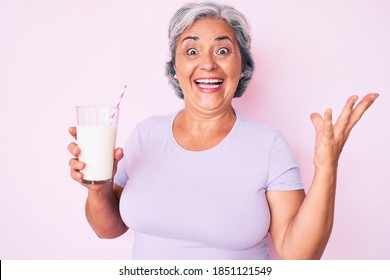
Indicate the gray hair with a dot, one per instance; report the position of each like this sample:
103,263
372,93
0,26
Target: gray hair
191,12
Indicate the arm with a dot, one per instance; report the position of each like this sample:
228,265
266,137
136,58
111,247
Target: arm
102,205
102,211
301,225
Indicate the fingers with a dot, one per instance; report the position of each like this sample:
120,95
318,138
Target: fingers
343,120
360,109
317,121
75,167
328,122
327,128
118,154
350,115
320,124
74,163
74,149
330,139
72,131
328,118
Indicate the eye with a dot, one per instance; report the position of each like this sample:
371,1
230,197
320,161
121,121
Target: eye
223,51
192,51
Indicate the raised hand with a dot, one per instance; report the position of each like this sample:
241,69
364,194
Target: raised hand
331,138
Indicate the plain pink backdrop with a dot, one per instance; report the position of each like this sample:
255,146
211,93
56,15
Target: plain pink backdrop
310,55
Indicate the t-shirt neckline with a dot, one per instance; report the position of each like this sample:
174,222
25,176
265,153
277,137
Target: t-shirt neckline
216,147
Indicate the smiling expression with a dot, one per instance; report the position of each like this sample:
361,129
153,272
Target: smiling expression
208,64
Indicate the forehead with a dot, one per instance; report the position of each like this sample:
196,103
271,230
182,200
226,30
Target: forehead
209,27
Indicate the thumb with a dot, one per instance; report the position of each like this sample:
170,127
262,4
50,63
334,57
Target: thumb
317,121
118,155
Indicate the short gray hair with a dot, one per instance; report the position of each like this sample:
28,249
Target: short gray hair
191,12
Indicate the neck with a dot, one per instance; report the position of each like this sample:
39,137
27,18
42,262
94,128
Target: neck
196,123
199,132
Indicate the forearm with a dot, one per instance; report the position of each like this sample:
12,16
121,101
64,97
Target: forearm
309,231
102,211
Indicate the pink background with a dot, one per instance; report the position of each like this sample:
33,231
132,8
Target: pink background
310,55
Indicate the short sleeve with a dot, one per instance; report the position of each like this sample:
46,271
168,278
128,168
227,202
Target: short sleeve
121,177
283,170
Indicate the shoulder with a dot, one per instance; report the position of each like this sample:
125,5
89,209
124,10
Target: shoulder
256,130
156,121
149,132
155,124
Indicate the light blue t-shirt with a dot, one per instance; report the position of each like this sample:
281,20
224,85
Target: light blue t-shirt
202,205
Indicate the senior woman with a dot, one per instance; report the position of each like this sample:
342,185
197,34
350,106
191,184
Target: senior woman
206,182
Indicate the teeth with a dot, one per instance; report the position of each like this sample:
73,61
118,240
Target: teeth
209,81
208,86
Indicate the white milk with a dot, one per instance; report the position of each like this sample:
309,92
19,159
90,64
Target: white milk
97,144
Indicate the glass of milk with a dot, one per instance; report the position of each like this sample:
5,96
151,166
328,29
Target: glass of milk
96,137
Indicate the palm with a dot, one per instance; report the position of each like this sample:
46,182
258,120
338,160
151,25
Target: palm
331,138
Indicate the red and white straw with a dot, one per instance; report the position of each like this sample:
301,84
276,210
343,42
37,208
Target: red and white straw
118,102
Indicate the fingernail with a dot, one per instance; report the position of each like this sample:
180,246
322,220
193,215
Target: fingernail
374,98
329,113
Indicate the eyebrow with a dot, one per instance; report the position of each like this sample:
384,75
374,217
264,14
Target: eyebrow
191,38
220,38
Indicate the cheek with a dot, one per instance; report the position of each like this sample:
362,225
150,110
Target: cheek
233,66
234,72
183,68
238,61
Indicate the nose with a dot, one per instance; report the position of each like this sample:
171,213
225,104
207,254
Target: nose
207,62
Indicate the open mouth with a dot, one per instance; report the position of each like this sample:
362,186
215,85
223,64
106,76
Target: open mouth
209,83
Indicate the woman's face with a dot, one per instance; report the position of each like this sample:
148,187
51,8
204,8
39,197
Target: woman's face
208,65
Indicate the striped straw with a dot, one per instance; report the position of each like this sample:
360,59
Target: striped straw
118,102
